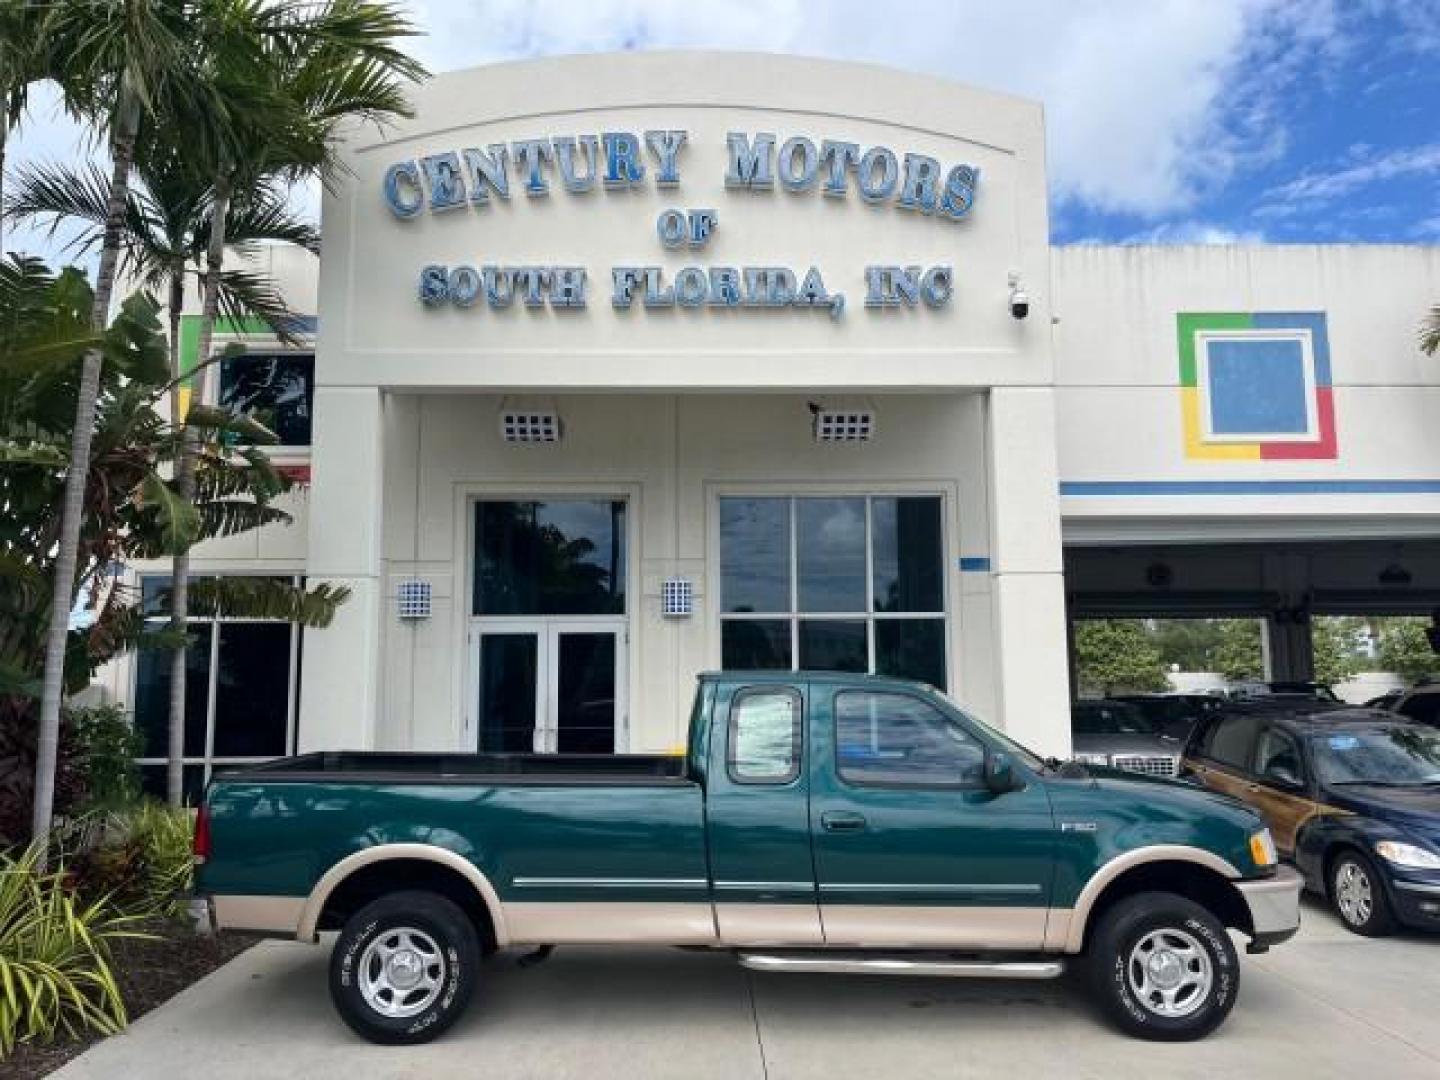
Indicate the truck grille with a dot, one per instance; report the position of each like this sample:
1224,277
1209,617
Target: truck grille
1150,766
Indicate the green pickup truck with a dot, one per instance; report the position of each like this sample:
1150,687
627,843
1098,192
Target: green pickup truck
819,823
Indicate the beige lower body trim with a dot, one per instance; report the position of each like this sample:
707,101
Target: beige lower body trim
610,924
775,925
956,927
269,914
1057,929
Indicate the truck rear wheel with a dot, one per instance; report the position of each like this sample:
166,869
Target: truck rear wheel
404,967
1163,967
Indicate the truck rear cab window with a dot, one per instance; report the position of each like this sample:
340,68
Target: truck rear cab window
888,739
764,740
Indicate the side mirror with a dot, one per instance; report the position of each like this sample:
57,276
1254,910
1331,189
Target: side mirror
1000,772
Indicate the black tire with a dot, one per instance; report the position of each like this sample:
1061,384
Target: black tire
1360,870
443,956
1198,1008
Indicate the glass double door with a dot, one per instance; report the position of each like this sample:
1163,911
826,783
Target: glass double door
549,686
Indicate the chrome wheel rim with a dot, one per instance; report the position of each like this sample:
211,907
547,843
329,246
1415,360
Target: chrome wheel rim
1354,895
1170,972
401,972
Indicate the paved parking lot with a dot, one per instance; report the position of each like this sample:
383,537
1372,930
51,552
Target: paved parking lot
1325,1005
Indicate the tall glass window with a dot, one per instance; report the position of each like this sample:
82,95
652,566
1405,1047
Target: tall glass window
242,683
850,583
560,557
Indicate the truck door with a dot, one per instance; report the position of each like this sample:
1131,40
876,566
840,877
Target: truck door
911,849
757,810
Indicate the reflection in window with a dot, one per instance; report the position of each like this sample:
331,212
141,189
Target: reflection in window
832,645
830,554
884,738
276,389
241,687
755,644
765,736
564,557
854,583
755,555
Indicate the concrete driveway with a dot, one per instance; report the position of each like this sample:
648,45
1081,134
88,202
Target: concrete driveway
1328,1004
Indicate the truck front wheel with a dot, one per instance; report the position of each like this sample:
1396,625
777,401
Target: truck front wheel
404,967
1163,967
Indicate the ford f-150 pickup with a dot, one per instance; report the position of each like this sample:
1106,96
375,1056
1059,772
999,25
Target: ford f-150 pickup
818,822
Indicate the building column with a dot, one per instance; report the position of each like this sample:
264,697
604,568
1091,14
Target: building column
1030,628
340,671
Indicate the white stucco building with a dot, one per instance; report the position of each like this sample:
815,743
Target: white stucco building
633,366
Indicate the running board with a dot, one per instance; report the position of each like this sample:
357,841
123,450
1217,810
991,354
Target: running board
833,963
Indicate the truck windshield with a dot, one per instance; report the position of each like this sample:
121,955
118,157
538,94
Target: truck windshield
1402,756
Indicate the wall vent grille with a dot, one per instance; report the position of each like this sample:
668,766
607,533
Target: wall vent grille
850,425
530,427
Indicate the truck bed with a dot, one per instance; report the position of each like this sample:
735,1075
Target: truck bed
348,766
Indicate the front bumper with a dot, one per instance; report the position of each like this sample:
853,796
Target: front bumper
1416,899
1274,904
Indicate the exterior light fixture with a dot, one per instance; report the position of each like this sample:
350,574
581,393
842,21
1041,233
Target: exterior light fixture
677,598
1395,574
412,599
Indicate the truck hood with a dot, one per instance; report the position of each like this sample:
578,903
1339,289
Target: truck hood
1140,745
1139,785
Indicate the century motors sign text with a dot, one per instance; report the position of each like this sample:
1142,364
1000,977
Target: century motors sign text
471,177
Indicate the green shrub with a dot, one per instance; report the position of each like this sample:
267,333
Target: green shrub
108,745
140,857
54,957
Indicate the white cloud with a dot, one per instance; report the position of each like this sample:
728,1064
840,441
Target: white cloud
1321,187
1194,232
1149,105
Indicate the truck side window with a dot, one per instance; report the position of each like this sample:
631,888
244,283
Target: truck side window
764,742
1230,741
895,739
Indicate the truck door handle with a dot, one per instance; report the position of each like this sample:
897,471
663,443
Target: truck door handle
842,821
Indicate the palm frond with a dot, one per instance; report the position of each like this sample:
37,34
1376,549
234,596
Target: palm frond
1430,332
267,598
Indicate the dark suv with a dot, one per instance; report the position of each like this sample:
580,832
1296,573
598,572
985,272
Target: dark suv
1352,797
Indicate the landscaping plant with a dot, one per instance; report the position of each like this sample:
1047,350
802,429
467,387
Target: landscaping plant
138,858
55,974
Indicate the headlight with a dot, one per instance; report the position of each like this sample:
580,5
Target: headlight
1093,759
1262,848
1409,856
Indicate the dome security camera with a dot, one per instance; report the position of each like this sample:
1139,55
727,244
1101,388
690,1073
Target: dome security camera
1019,298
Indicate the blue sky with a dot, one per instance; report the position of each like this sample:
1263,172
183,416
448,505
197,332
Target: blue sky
1169,121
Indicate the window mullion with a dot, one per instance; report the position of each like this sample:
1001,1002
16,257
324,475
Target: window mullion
210,701
794,511
869,590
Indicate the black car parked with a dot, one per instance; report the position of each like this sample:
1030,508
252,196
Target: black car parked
1173,715
1352,797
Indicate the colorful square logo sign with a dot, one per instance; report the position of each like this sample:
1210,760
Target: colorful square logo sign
1255,386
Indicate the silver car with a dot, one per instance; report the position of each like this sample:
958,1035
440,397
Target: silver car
1119,735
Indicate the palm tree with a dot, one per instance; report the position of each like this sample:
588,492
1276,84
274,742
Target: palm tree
131,509
120,63
315,68
1430,331
22,63
166,230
